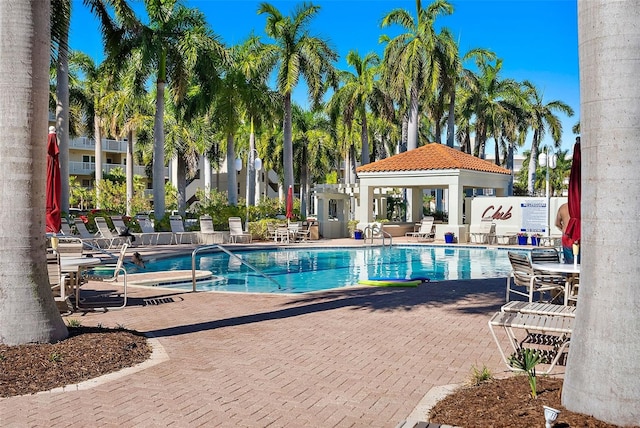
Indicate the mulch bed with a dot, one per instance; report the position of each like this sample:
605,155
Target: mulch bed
508,403
87,353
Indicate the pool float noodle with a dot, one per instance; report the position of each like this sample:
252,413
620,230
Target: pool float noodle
392,283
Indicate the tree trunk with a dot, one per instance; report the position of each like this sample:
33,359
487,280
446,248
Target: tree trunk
533,164
603,366
62,123
129,171
364,135
451,120
304,174
251,170
97,136
412,128
27,309
181,184
287,153
232,174
158,153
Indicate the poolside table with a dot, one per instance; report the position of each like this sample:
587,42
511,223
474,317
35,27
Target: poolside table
571,271
74,266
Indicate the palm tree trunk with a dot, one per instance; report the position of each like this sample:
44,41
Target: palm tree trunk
62,124
129,171
533,163
232,176
451,120
27,309
602,369
364,134
182,183
251,170
304,174
412,129
158,153
97,136
287,153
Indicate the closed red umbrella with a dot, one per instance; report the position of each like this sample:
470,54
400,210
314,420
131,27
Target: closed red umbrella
53,194
289,214
573,226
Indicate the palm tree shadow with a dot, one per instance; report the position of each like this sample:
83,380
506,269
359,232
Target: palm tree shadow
488,293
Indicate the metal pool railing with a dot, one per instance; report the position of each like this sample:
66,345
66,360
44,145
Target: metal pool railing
221,248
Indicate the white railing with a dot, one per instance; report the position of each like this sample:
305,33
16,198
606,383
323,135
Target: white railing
86,143
88,168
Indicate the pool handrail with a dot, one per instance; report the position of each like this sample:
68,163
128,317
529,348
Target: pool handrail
221,248
372,230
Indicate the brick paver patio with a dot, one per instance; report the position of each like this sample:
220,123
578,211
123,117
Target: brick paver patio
352,357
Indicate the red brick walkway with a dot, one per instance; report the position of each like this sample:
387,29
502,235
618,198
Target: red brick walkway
354,357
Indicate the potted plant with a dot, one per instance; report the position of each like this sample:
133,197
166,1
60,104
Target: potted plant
449,237
522,238
535,239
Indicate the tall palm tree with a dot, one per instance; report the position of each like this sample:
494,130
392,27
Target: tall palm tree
98,84
27,309
313,147
492,101
296,53
605,339
541,118
60,22
410,58
176,45
360,93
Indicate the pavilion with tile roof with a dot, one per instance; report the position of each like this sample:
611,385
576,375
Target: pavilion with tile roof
433,166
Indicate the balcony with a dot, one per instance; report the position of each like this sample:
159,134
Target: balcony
88,168
86,143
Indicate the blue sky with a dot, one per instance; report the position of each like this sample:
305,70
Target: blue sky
537,39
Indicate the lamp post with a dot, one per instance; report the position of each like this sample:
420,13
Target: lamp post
549,162
254,163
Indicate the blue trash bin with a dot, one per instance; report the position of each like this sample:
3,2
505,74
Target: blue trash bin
357,234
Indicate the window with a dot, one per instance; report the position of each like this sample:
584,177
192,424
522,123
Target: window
87,158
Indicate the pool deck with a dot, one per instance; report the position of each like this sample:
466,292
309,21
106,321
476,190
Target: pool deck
350,357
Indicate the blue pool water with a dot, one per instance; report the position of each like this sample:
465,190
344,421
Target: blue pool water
308,269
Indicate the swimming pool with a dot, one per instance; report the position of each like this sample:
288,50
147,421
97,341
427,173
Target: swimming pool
303,270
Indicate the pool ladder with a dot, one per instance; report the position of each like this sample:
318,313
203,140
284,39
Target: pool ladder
375,232
221,248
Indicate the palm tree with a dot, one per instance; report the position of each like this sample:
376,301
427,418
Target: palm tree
295,54
60,22
492,100
361,92
605,337
24,285
175,45
541,117
313,147
411,65
98,84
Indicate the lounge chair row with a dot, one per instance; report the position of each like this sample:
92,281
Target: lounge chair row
105,238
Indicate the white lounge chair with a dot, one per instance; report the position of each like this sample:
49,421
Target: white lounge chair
486,233
90,240
207,234
236,232
425,231
114,240
177,228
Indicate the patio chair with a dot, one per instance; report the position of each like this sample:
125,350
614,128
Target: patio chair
545,255
89,239
527,281
236,232
486,233
59,283
122,229
179,233
113,239
425,231
149,236
207,234
65,227
114,273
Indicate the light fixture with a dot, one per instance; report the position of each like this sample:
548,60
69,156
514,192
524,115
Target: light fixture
550,415
549,162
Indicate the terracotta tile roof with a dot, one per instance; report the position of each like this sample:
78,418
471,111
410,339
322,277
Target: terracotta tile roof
431,157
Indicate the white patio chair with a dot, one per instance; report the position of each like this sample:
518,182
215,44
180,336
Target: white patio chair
425,231
236,232
179,233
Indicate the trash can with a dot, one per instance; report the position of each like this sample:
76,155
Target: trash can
357,234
